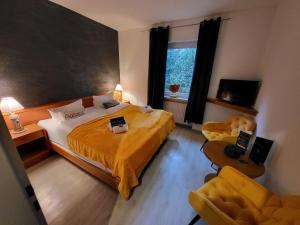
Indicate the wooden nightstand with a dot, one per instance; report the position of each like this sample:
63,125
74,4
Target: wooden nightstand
32,144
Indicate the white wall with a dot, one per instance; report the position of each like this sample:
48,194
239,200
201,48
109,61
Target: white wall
134,53
241,47
278,103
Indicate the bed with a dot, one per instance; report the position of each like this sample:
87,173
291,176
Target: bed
57,134
122,157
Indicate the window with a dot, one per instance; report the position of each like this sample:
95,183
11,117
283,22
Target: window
180,67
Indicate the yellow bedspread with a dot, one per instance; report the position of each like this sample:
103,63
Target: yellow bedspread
126,154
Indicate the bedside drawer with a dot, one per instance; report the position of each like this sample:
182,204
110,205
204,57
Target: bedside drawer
29,137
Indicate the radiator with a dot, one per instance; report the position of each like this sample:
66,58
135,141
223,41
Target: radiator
178,110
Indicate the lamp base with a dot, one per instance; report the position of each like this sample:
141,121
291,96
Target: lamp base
17,131
18,127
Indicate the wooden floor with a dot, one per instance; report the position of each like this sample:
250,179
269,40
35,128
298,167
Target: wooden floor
70,196
162,198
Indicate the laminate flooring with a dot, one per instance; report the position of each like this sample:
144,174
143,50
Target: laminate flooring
69,196
162,199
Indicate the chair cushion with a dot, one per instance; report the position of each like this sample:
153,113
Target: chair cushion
238,123
228,131
219,136
281,210
229,201
241,210
215,136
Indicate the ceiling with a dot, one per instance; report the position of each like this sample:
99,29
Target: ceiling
131,14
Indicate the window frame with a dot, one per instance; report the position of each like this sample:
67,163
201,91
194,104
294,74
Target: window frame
183,97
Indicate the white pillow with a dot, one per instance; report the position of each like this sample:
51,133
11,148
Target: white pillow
67,112
57,114
99,100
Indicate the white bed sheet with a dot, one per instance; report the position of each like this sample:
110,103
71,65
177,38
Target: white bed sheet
58,132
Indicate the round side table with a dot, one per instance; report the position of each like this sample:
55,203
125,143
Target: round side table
214,151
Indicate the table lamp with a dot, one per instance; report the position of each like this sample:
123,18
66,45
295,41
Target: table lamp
118,93
10,105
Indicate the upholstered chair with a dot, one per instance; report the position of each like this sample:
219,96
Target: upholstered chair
228,131
232,198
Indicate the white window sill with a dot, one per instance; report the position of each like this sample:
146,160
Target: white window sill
177,99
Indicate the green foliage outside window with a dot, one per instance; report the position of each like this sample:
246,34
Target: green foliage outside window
180,67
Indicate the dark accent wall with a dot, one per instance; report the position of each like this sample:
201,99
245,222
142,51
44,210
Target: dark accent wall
49,53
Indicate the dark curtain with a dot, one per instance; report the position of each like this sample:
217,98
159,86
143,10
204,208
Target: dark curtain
157,66
206,48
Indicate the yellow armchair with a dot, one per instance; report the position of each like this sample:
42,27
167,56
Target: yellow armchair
229,130
232,198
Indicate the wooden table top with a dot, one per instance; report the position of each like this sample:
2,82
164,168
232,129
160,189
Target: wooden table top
214,151
29,129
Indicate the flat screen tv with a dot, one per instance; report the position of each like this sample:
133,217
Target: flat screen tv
238,92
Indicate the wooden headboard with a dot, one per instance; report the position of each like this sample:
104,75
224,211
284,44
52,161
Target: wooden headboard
34,114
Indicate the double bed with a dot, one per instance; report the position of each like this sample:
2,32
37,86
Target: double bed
58,132
116,159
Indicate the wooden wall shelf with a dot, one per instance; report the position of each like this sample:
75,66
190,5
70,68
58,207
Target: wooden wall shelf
247,110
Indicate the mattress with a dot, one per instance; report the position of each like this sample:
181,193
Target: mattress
58,132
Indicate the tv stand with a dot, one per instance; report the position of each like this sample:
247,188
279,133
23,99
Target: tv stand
243,109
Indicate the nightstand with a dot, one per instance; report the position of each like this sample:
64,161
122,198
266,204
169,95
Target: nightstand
32,144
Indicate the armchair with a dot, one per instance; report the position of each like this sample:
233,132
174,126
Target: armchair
232,198
229,130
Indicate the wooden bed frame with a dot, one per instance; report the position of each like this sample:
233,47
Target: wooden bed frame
35,114
91,169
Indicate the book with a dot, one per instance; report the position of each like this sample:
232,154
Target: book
118,121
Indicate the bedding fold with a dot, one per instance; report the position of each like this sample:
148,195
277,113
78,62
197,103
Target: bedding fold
125,154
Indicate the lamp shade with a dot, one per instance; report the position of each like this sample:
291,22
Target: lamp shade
119,87
9,105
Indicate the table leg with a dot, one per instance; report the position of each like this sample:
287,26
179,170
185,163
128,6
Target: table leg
194,220
203,145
